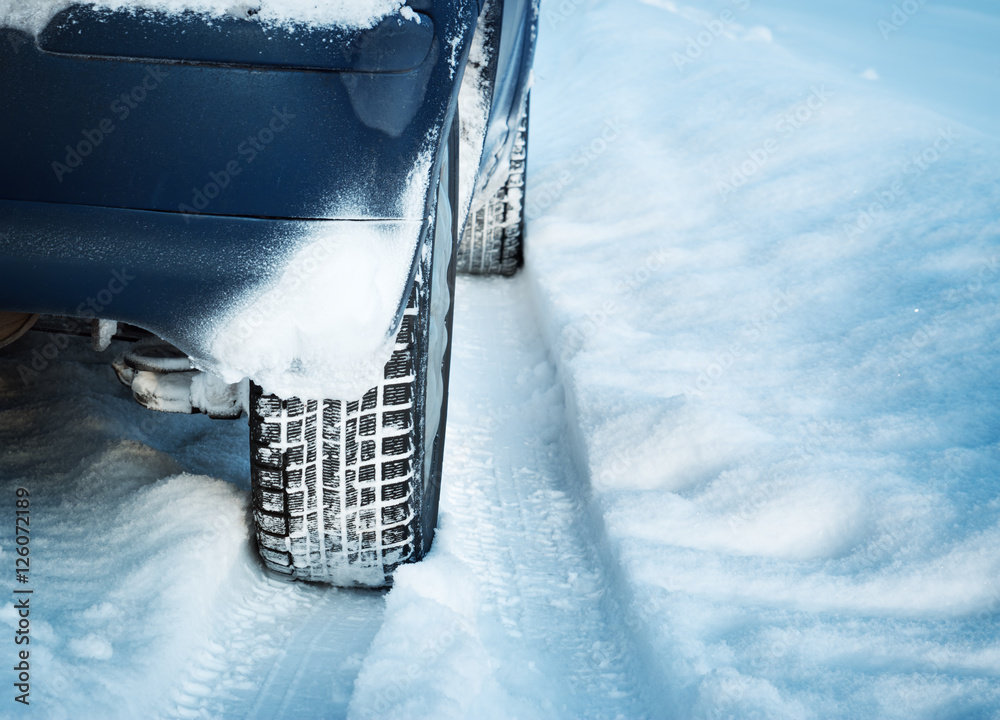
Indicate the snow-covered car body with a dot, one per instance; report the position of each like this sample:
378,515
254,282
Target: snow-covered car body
186,173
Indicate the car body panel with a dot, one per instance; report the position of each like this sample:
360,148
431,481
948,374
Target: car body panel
118,132
510,79
203,175
396,44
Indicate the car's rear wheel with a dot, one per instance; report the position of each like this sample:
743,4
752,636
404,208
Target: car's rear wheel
493,239
346,491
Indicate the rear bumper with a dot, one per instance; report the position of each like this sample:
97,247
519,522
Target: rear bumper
179,196
214,286
158,269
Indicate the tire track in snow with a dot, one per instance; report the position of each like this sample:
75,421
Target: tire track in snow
284,650
278,649
513,582
541,637
315,675
281,650
151,601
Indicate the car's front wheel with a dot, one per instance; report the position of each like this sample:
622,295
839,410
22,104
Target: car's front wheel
346,491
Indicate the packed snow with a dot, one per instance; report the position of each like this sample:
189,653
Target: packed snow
772,295
326,324
33,15
728,447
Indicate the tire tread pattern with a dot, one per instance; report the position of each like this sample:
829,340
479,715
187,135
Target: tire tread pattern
493,238
335,484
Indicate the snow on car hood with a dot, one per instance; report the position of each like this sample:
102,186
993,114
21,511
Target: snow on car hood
324,326
33,15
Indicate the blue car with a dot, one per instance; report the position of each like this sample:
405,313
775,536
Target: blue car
270,211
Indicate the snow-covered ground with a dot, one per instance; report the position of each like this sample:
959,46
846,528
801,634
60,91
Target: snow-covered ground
772,297
149,601
726,449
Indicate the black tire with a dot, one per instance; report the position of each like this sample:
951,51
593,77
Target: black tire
493,238
344,492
